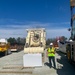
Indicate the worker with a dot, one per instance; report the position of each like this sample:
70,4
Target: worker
51,55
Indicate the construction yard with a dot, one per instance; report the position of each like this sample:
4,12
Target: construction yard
13,65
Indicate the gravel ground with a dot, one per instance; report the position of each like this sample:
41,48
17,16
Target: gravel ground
14,58
14,62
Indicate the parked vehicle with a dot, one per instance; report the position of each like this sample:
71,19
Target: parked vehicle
16,47
4,47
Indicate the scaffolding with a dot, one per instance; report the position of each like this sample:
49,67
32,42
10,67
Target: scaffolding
72,7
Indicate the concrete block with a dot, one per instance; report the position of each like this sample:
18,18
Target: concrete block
32,60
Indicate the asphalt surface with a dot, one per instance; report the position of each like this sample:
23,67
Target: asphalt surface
13,65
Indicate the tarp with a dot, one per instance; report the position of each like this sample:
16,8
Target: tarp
3,40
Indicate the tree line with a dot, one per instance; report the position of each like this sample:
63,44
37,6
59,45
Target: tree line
18,41
21,41
54,40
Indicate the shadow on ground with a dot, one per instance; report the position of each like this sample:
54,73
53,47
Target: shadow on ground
2,55
67,68
47,64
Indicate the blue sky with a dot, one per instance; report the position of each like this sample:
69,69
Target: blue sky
18,15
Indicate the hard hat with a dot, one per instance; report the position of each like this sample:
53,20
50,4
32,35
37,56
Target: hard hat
51,43
71,40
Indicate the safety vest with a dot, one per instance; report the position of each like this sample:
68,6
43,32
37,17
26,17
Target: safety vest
51,50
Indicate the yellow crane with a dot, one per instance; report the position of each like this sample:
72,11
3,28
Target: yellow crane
71,45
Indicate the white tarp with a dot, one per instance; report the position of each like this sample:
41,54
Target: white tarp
32,60
3,40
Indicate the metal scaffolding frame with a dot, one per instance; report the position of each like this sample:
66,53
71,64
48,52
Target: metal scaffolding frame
72,6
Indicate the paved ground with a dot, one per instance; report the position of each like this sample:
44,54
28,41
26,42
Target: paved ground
13,64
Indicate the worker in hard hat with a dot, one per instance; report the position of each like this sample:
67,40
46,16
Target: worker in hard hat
51,55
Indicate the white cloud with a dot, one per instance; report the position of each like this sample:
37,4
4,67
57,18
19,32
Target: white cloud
12,33
52,29
12,23
51,33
